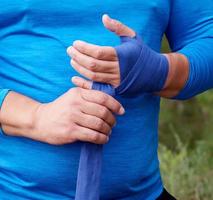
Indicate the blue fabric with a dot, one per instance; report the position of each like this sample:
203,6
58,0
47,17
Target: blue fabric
34,35
142,69
3,94
89,172
195,41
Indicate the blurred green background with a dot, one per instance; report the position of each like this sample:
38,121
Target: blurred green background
186,147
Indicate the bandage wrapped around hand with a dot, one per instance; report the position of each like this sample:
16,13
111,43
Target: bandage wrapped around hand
142,69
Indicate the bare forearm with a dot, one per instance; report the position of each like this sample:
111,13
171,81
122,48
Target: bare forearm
17,114
177,75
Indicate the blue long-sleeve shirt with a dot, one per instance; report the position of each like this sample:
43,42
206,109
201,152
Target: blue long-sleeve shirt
34,36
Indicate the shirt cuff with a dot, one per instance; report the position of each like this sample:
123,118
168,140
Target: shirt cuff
3,94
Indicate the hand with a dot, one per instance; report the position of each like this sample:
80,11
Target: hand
98,63
139,69
79,114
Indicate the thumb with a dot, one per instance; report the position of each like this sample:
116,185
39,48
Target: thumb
117,27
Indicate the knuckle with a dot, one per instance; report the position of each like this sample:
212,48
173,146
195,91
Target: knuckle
72,128
81,48
77,102
73,54
99,53
104,113
118,26
83,95
75,92
84,85
65,131
92,65
103,99
99,124
95,137
77,89
93,76
71,135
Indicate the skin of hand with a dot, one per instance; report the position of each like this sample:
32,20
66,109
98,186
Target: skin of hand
100,63
77,115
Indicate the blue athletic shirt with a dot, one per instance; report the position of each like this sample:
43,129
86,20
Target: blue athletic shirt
34,35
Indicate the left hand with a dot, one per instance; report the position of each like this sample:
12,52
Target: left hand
98,63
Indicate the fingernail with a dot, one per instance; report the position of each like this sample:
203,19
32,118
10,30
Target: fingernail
110,132
121,111
107,17
74,78
77,43
69,49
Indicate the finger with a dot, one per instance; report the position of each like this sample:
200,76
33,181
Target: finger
93,122
92,63
88,135
103,99
82,83
100,112
117,27
112,79
96,51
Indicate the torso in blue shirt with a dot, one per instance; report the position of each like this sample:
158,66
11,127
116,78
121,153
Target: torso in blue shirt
34,35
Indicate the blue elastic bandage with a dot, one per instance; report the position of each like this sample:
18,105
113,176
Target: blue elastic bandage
142,70
89,172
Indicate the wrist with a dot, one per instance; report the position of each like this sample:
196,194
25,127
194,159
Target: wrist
17,115
34,120
37,128
177,74
144,70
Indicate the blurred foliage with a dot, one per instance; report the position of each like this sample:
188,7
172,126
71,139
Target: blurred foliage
192,120
186,148
187,174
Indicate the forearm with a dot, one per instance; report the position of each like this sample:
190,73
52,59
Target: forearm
17,114
178,73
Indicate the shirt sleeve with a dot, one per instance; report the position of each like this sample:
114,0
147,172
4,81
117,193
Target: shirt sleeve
3,94
190,32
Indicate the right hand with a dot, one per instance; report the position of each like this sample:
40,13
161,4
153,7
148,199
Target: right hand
77,115
99,63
